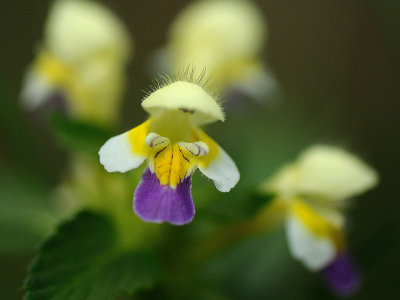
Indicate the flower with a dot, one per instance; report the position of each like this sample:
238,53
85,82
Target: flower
174,147
83,56
314,190
224,36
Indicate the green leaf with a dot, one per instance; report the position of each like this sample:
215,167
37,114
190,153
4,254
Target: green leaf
77,135
83,261
26,214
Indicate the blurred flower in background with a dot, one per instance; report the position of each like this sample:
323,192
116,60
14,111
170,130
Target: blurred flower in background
314,190
81,68
226,37
81,62
174,146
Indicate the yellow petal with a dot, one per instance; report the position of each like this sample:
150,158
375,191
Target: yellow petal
137,138
125,151
56,71
316,223
173,162
217,164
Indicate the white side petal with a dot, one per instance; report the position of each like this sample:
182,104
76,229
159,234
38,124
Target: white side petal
314,252
333,173
223,171
117,154
36,89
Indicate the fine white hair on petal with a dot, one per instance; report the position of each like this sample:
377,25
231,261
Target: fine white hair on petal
117,155
223,171
333,173
313,251
187,97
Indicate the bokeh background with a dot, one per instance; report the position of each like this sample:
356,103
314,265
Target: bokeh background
338,65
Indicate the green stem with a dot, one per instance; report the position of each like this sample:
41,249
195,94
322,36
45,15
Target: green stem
268,218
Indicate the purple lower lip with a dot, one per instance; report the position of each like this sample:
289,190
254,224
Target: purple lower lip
342,275
158,203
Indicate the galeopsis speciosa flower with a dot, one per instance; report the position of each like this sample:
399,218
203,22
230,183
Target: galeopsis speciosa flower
314,191
174,146
226,37
81,60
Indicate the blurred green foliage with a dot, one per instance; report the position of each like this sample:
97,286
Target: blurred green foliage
26,216
84,261
77,135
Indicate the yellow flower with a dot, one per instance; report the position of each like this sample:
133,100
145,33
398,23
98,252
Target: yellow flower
174,147
314,189
83,56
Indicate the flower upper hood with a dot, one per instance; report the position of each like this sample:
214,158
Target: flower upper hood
202,107
77,30
325,172
225,36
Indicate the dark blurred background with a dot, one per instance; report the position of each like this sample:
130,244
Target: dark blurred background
338,64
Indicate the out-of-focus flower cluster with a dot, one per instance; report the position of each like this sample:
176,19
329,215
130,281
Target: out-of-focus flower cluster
213,47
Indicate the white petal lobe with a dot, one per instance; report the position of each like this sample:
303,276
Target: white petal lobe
314,252
117,155
223,171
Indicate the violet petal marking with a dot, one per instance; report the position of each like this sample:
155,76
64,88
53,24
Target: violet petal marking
342,275
157,203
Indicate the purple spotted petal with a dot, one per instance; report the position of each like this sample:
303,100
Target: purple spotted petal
158,203
342,275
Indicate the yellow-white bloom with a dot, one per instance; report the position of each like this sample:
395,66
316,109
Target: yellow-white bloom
83,56
174,147
314,189
224,36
